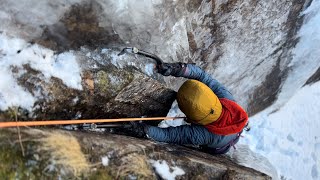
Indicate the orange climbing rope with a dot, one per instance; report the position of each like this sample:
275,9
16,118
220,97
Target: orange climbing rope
83,121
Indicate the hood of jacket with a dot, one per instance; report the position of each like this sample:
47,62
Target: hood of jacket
231,121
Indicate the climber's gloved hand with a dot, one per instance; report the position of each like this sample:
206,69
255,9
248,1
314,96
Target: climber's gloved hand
139,129
173,69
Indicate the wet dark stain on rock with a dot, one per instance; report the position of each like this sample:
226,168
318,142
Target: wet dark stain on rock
193,5
218,36
192,42
78,27
314,78
209,22
294,22
267,92
228,6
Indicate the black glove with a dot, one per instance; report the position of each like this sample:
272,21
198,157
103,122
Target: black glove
173,69
139,129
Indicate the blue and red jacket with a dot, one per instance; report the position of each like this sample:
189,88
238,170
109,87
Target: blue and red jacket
215,135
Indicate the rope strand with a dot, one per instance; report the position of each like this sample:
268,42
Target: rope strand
62,122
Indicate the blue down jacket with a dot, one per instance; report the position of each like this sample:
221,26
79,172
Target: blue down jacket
194,134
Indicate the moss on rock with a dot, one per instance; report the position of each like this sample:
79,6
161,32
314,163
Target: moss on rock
13,165
110,82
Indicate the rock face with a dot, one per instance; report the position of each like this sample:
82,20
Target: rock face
245,44
55,153
217,35
108,92
240,42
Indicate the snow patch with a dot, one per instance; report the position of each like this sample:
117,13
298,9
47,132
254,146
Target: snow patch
166,172
15,54
65,68
297,156
173,112
149,68
11,94
105,160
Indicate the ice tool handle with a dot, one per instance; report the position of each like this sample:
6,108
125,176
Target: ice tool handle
141,52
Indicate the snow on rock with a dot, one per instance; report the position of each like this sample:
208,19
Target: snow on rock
173,112
306,59
149,69
290,137
15,53
11,94
105,161
243,155
166,172
287,133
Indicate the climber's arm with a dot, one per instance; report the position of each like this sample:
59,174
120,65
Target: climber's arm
192,71
186,134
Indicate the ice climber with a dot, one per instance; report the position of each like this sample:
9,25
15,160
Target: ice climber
216,120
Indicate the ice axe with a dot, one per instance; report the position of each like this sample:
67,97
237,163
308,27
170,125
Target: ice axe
135,50
166,68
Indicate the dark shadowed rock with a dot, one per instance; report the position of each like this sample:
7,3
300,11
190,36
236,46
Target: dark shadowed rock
314,78
78,27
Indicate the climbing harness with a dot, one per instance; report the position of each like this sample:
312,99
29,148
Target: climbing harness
223,149
84,121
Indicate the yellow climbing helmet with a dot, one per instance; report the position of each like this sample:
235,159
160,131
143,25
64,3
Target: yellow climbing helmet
198,102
